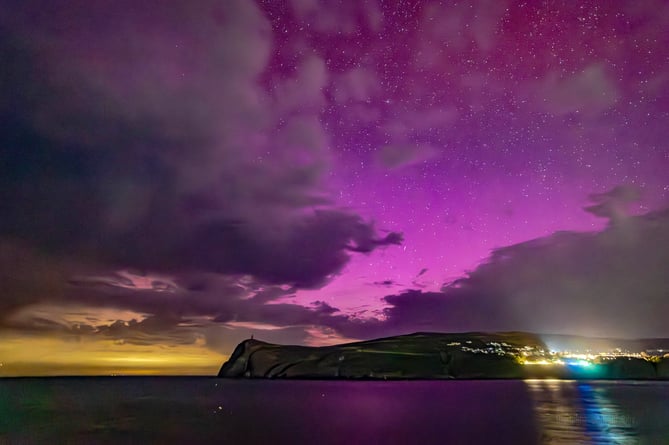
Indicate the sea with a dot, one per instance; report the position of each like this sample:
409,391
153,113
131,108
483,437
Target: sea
207,410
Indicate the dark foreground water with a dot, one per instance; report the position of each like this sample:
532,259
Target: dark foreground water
212,411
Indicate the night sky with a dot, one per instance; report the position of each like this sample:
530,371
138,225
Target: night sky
176,176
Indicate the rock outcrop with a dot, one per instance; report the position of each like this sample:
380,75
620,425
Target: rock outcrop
627,368
662,368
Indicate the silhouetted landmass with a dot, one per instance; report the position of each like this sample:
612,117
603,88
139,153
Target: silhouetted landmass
412,356
425,356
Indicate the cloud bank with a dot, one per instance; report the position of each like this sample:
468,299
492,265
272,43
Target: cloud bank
608,283
148,142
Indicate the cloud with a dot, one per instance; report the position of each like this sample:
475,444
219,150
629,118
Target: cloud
395,157
64,322
320,336
385,283
346,18
451,27
304,91
148,143
614,203
103,308
609,283
407,134
28,276
356,85
155,329
589,92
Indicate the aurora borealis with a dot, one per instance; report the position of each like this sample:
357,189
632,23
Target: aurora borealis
175,177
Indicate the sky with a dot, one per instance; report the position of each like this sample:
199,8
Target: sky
178,176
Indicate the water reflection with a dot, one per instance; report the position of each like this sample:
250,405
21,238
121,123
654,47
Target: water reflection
202,410
570,412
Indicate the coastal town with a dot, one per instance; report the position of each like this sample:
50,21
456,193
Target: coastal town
537,355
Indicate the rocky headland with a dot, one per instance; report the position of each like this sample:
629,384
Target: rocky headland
428,356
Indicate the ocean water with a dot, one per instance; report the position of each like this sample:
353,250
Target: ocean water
146,410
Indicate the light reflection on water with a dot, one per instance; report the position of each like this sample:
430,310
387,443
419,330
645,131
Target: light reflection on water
579,412
206,410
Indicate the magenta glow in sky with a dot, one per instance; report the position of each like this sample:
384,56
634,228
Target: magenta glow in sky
326,170
473,125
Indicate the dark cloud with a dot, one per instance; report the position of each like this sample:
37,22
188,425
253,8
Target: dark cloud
385,283
162,329
364,241
155,329
615,203
147,143
305,253
181,312
272,293
609,283
28,276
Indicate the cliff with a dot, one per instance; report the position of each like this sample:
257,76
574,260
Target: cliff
425,356
415,356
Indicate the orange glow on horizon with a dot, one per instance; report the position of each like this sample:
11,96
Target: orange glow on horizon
40,356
